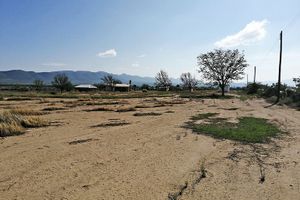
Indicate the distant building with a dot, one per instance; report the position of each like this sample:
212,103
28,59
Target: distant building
163,88
121,87
85,87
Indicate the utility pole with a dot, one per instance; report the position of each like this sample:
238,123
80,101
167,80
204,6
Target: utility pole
279,74
254,79
247,80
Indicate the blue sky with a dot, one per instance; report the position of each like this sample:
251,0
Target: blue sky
141,37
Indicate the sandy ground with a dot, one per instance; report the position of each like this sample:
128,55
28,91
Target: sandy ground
152,157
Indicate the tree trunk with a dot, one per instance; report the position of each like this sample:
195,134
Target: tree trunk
223,90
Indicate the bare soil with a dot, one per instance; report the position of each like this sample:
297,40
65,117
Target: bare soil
151,157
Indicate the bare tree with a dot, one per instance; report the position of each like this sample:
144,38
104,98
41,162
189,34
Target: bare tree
38,84
110,80
188,81
162,80
61,82
222,66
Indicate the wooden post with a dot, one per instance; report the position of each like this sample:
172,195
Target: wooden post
254,79
279,73
247,80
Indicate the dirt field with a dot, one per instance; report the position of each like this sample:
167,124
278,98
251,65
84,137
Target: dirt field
86,154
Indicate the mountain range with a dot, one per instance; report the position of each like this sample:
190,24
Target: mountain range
76,77
87,77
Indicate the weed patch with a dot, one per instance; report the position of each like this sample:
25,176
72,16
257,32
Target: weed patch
248,129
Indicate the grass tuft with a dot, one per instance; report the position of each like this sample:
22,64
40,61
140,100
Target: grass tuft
15,124
111,124
21,111
33,122
9,129
53,108
248,129
80,141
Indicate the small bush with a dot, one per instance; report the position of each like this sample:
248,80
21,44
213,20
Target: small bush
253,88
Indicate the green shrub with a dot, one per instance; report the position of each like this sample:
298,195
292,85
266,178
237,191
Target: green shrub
253,88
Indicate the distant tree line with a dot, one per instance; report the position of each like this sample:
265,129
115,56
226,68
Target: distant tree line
218,68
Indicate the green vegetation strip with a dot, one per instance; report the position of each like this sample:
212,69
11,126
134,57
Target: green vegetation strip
248,129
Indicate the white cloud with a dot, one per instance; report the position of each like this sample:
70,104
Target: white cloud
53,64
142,56
108,53
253,32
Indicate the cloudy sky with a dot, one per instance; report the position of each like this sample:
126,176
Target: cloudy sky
141,37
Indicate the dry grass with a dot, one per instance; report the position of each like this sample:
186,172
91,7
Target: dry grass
172,102
33,122
99,109
19,99
12,123
157,105
170,111
120,109
125,109
143,106
146,114
112,123
80,141
95,103
53,108
25,112
9,129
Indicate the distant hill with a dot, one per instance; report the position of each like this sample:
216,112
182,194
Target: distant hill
87,77
76,77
